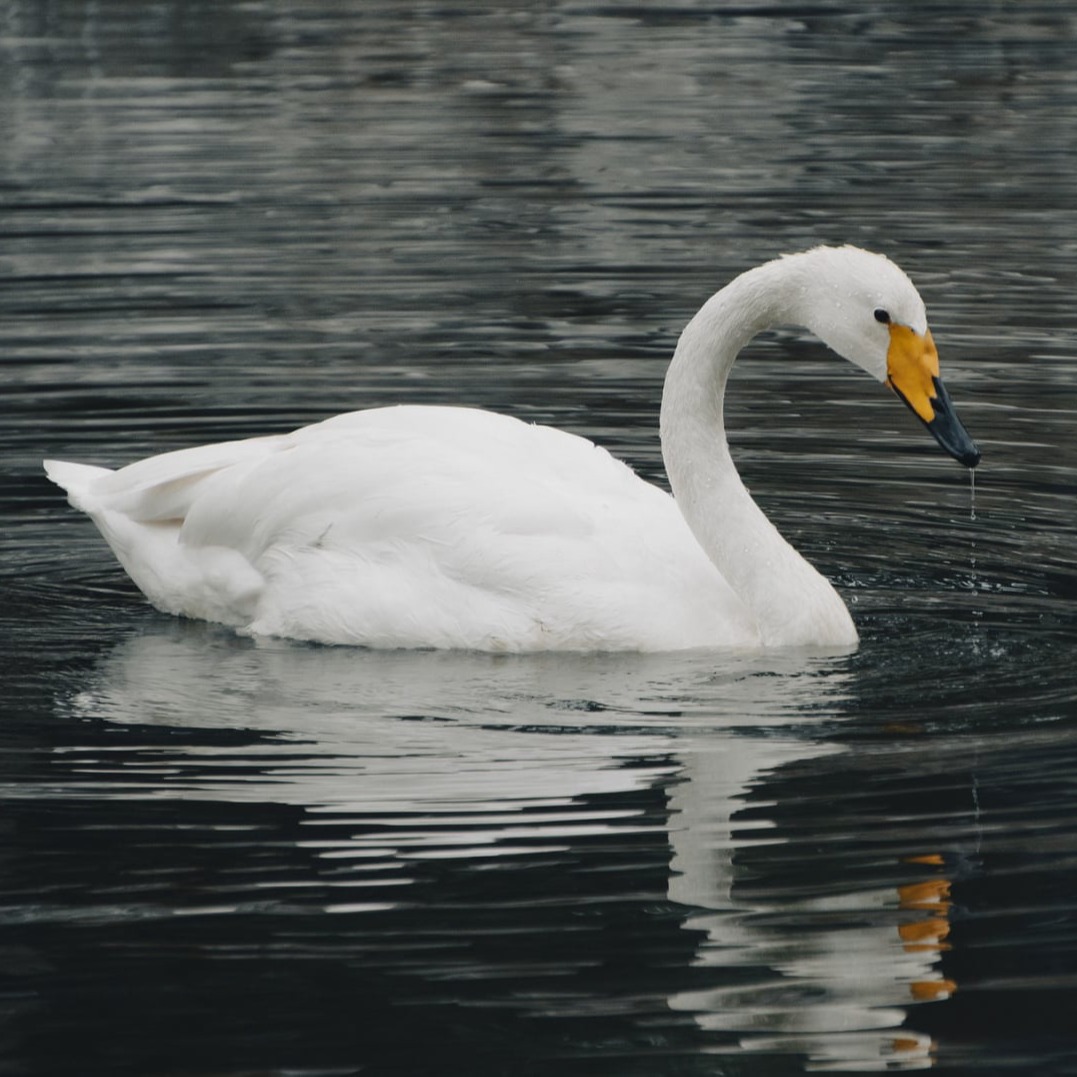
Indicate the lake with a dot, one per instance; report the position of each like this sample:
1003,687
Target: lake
223,856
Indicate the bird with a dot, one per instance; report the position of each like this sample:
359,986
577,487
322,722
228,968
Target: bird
430,526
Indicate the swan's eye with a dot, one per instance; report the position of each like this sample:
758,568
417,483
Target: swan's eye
882,315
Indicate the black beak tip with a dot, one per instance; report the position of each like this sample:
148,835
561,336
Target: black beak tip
970,457
949,431
954,438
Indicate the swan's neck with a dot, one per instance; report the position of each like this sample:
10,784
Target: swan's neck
791,602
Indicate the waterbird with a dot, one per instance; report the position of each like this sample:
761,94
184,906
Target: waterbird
453,527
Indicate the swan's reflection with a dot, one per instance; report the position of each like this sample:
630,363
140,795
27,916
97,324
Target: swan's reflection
454,753
841,966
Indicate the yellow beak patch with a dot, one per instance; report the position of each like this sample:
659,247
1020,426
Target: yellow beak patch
912,364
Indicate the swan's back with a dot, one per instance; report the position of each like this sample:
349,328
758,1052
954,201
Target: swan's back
414,526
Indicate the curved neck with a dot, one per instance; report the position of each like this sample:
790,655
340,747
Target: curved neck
791,602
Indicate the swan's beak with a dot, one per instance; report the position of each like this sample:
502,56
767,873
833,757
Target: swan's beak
912,371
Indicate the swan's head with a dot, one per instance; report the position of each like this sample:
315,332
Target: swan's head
866,309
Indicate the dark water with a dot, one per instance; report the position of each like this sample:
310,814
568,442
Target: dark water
219,857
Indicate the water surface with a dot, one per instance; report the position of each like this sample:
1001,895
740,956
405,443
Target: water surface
223,856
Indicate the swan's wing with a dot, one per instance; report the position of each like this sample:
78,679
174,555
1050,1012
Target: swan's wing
416,526
434,475
452,527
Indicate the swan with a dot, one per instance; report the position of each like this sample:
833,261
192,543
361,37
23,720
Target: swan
452,527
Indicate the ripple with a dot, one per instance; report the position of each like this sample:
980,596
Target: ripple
328,860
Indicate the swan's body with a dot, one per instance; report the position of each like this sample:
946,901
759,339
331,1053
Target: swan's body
453,527
415,526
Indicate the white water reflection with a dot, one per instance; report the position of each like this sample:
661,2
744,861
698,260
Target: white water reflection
471,757
840,967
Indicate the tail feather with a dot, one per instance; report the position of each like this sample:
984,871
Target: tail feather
141,522
160,488
77,479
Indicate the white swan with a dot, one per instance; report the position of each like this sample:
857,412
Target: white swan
453,527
